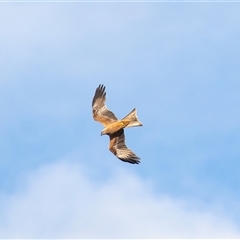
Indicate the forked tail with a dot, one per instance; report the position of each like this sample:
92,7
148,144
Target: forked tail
132,116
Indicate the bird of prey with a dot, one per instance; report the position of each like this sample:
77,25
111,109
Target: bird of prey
114,127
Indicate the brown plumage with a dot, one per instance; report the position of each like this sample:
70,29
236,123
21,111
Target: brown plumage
114,127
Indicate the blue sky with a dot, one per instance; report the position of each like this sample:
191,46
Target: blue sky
177,63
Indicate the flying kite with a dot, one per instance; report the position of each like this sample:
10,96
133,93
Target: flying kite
114,127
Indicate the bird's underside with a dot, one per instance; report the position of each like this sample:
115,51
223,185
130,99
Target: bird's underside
114,127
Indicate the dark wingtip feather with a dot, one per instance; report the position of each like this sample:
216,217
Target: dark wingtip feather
133,160
100,92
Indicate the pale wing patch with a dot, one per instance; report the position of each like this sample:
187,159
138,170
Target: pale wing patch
118,147
100,110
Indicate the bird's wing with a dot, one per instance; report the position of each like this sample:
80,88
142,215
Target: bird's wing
117,147
100,111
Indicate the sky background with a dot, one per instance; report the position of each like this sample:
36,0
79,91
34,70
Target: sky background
177,63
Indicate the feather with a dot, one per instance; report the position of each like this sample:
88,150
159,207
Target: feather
100,110
118,147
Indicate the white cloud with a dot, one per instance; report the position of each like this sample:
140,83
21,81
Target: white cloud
61,200
50,52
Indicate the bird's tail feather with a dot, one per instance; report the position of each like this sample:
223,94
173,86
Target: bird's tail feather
134,119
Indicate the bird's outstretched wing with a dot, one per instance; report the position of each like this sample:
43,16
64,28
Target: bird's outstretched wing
100,111
117,146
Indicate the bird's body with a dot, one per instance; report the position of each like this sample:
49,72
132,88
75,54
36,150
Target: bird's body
114,127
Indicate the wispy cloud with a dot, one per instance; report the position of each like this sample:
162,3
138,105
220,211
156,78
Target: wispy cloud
61,200
177,63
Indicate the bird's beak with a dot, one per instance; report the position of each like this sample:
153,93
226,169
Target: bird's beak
103,132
